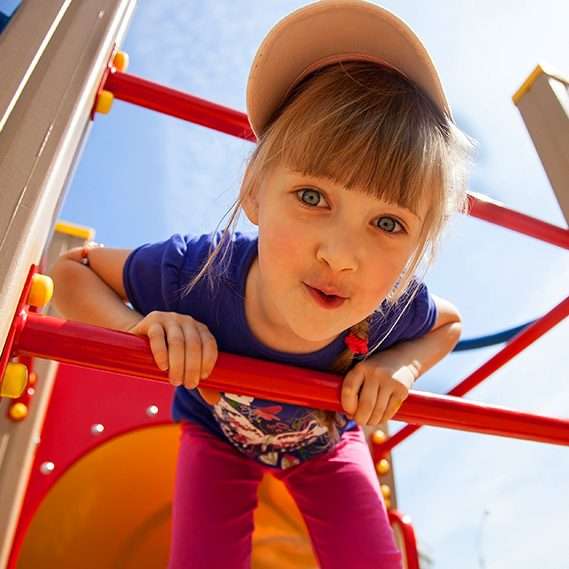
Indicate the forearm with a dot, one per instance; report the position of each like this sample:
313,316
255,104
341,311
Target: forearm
420,355
80,294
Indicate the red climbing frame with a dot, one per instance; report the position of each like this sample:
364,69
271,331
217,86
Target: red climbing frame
121,352
418,409
176,103
36,335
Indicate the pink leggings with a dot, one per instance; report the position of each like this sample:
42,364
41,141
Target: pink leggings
337,493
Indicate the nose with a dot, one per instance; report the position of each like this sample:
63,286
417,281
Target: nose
339,251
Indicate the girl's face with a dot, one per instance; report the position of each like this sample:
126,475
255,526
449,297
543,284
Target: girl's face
316,237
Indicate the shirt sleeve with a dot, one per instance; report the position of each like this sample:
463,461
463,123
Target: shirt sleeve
152,273
410,318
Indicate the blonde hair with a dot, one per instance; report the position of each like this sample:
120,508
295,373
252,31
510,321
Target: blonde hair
368,128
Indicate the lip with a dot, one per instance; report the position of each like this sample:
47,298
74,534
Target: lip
325,300
326,289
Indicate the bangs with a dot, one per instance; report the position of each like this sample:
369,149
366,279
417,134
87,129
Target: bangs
365,129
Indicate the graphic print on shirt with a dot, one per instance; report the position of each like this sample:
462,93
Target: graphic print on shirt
278,435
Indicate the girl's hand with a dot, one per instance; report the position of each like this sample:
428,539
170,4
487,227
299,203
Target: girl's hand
374,389
181,345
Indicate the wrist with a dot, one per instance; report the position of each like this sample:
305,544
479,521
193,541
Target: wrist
407,375
133,320
84,255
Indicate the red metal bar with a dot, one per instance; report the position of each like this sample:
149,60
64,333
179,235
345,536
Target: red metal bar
514,347
516,221
403,524
178,104
120,352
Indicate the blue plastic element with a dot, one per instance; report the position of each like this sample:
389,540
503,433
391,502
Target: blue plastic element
490,340
8,7
7,10
3,21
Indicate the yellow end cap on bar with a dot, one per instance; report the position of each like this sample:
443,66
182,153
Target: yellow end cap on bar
68,228
526,85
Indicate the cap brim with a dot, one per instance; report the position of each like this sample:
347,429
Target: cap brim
328,31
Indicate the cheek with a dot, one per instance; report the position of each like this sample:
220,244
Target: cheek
382,274
280,248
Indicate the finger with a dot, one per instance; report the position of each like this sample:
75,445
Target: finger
367,400
176,357
209,351
157,338
392,408
381,404
193,355
350,390
209,358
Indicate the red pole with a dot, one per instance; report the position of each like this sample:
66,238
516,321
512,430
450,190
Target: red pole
178,104
120,352
501,215
403,524
514,347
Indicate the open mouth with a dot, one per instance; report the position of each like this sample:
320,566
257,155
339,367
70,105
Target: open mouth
323,299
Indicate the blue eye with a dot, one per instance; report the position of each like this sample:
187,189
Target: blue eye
389,225
309,196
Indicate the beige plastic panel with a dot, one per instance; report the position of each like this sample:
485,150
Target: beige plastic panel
52,56
543,102
18,58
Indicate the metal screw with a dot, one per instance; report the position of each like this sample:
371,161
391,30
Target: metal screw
47,468
97,429
152,411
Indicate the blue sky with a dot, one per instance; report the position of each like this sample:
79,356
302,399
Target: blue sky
144,176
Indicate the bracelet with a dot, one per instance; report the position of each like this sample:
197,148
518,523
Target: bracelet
84,260
85,256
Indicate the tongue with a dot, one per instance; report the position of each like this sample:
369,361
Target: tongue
327,296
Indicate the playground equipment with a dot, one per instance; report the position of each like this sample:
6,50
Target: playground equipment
86,473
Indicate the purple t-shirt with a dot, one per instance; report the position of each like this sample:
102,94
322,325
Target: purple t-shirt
275,434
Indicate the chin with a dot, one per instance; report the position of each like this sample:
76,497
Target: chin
315,333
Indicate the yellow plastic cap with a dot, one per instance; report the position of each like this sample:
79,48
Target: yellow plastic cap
41,291
14,381
120,61
104,102
18,411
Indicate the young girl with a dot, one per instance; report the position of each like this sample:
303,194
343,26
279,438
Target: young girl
357,167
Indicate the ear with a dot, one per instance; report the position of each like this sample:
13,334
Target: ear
249,201
250,206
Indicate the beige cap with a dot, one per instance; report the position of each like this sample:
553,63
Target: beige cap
329,31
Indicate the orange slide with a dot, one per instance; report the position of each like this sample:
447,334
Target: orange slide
94,517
